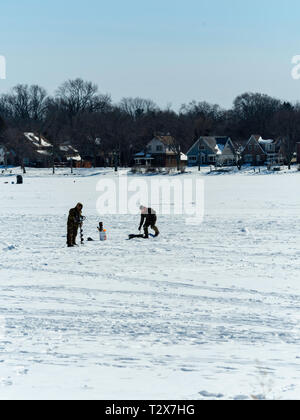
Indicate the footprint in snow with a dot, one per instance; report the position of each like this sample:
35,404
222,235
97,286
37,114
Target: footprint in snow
21,370
210,395
5,382
9,248
246,231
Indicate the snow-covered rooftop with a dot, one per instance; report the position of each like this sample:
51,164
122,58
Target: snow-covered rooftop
219,148
183,156
44,152
265,141
75,157
36,140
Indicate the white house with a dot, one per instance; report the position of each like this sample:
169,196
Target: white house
161,151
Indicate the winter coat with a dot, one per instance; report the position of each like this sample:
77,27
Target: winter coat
74,217
148,217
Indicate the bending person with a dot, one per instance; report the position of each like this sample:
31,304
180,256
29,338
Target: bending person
148,219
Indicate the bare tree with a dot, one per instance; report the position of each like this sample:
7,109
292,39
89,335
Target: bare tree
286,123
25,103
137,107
254,111
77,96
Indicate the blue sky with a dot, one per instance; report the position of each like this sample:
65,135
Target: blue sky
172,51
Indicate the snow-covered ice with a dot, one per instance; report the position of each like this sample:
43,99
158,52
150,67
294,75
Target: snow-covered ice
205,312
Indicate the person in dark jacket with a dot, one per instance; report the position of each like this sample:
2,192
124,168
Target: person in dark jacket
148,219
74,221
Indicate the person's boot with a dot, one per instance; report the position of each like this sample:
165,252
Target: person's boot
156,231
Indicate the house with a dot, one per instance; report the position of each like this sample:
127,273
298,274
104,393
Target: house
35,150
212,150
161,152
259,151
68,155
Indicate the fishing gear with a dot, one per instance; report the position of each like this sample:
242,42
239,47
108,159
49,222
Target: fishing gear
81,220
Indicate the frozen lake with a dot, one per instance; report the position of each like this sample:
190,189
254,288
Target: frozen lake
202,312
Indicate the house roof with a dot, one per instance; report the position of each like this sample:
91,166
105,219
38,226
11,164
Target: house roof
217,144
70,152
44,152
183,156
258,140
167,140
37,141
256,136
220,144
36,145
43,147
268,141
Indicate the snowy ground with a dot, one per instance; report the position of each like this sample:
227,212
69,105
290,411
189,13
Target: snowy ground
209,312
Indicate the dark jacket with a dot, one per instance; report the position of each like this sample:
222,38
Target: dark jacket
74,217
148,218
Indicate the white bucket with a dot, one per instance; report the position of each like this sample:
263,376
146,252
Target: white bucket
103,236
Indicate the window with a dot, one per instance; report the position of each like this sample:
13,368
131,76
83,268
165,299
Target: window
193,158
159,148
248,158
270,148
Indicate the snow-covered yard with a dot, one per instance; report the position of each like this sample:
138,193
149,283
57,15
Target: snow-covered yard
203,312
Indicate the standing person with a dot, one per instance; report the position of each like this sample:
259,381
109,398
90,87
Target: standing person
148,219
74,221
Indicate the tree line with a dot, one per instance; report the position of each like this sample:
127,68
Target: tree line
89,120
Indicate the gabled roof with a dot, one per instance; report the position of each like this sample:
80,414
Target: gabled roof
216,143
268,141
70,152
37,144
36,140
221,143
210,141
256,136
262,142
183,156
167,140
